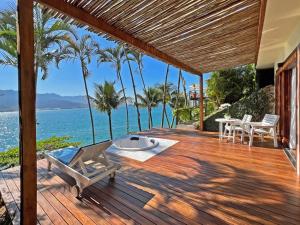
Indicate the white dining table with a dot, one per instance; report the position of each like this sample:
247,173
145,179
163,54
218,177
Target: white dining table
222,121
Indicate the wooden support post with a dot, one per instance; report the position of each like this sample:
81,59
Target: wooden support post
298,111
27,96
201,102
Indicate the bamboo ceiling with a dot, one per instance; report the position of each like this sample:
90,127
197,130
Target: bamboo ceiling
205,35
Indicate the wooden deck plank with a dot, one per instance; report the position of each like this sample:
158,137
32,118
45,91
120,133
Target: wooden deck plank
14,175
11,205
206,194
86,205
197,181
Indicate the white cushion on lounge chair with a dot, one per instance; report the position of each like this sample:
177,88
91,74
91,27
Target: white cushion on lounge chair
65,155
261,131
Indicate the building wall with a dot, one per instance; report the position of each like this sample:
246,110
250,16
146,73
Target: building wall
289,46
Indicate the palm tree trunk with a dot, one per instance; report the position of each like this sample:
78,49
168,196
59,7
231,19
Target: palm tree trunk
164,98
150,113
36,74
184,91
89,104
134,91
125,99
142,77
149,117
110,126
177,96
168,121
145,90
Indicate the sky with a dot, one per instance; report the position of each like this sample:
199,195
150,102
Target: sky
67,80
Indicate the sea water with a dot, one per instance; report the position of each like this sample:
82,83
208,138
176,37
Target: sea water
76,123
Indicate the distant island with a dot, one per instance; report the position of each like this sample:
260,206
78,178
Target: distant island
9,101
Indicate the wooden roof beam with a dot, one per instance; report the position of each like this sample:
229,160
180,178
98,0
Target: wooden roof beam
262,12
99,24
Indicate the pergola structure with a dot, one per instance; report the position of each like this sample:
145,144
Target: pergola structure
197,36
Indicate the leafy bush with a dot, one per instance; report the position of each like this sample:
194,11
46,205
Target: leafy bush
10,157
209,108
186,114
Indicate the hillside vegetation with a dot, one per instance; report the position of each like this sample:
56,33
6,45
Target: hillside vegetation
10,157
256,104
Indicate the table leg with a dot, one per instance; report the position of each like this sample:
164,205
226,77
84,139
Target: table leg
242,136
251,137
220,130
233,141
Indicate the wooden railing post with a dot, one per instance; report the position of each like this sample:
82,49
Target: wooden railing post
27,96
201,102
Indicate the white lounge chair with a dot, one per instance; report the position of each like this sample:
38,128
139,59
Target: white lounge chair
266,127
86,165
241,127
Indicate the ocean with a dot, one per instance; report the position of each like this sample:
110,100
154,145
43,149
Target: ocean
76,123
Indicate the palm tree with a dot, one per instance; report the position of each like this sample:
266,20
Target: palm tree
126,52
138,58
106,99
50,37
83,49
164,99
186,104
150,99
115,56
169,88
8,38
177,96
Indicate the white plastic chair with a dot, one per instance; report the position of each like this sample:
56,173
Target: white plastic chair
242,127
229,128
266,127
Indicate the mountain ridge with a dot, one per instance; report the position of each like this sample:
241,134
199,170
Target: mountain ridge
9,101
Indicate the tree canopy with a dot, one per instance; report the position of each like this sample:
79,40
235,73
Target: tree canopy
230,85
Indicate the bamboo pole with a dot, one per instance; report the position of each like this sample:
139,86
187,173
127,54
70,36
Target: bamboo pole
27,119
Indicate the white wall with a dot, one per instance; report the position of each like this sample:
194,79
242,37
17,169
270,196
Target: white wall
281,32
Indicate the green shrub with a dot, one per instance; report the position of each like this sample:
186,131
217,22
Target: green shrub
10,157
186,114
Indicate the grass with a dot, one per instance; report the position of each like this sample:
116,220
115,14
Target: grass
10,157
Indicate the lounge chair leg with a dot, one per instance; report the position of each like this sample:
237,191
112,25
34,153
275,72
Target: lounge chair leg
49,166
233,136
275,138
112,176
77,190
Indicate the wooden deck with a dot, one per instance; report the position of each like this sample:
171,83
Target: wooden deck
197,181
